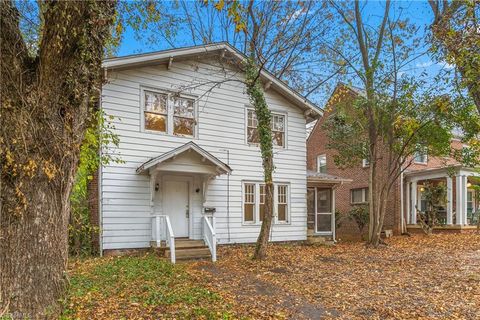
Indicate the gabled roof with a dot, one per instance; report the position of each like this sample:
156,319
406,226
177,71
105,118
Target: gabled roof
167,56
173,153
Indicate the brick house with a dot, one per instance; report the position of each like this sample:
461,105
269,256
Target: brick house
462,203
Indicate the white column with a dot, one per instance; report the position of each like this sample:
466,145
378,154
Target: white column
407,202
461,198
449,201
413,205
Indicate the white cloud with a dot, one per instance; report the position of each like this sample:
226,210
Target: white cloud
424,64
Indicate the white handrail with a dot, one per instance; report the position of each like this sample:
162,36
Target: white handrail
209,236
167,235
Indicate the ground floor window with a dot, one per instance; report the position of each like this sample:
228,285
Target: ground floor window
254,194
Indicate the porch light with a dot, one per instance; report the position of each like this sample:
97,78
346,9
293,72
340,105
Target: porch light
422,189
469,184
157,186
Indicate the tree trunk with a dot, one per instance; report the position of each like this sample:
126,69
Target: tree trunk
257,98
46,101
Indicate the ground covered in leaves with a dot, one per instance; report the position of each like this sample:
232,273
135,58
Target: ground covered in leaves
419,277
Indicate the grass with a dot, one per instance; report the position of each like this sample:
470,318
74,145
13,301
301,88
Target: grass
145,287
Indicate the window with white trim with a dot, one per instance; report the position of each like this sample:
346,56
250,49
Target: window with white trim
359,195
322,163
164,112
249,202
282,203
254,195
278,128
421,157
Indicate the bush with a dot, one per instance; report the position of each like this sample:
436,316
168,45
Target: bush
360,215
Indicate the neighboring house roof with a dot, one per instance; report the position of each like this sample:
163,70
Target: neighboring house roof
314,176
446,169
187,146
311,110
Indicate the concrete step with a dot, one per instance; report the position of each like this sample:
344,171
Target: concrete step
190,253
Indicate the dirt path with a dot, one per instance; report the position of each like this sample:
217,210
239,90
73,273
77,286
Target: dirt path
260,298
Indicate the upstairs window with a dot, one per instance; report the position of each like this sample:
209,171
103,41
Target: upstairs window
322,163
421,156
278,128
168,114
156,111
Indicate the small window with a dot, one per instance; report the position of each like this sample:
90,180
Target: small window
421,157
322,163
359,195
278,128
183,117
366,160
365,163
156,111
249,203
282,213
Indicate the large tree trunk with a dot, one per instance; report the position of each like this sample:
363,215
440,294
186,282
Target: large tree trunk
46,101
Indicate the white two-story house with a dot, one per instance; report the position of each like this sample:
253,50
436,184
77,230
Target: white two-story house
192,169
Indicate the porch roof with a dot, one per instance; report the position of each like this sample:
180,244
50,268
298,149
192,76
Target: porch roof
190,146
318,177
439,172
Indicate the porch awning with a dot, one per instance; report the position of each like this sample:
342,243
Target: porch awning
187,158
318,177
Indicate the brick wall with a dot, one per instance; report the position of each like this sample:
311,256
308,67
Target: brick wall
317,145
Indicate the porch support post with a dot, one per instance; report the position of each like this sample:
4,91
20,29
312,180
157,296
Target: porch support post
461,209
407,202
413,205
449,201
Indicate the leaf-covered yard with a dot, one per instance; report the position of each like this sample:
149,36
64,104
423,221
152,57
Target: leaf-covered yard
436,277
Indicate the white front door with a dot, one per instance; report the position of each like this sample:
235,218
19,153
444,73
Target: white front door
175,199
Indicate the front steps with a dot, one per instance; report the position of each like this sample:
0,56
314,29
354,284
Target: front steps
187,249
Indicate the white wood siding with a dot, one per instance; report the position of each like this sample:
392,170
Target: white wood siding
221,125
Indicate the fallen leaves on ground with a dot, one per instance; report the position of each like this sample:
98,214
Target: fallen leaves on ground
419,277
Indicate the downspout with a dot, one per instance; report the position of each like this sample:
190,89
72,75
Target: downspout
402,213
334,231
228,193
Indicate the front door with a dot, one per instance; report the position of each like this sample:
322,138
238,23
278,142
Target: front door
175,199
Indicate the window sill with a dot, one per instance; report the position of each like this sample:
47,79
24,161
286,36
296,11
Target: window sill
358,203
160,133
257,145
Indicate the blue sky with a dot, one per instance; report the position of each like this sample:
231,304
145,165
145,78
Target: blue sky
418,12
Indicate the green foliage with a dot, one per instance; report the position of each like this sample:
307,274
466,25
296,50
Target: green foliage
148,282
360,215
257,98
435,196
98,136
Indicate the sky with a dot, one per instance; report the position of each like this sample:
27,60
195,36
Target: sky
418,12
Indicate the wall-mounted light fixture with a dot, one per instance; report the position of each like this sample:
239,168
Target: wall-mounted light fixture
469,184
422,189
157,186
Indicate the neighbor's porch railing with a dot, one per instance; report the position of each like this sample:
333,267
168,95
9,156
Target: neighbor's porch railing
208,230
162,231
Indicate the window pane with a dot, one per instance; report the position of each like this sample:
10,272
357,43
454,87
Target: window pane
282,202
183,126
322,163
155,122
248,212
357,195
249,202
156,102
262,202
278,138
252,119
324,201
252,135
278,123
324,222
184,108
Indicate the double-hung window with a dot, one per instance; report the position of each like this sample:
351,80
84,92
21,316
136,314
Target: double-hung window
277,124
421,155
254,195
166,113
